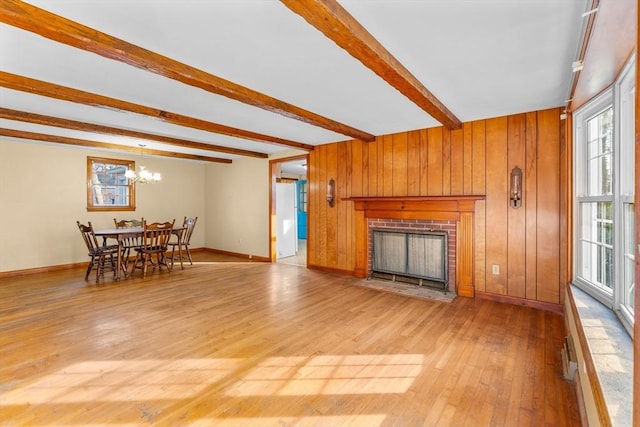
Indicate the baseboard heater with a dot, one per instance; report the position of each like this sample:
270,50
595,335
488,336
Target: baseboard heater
569,359
418,257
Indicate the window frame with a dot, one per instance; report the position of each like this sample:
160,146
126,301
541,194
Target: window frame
91,206
624,94
621,190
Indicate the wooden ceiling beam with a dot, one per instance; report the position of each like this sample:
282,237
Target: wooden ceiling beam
338,25
46,24
39,87
40,119
56,139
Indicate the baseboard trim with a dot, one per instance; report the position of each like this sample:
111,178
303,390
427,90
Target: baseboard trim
52,268
36,270
547,306
238,255
332,270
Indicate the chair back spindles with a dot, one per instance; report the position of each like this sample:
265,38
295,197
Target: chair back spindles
156,235
128,223
89,237
129,242
154,241
189,224
101,256
184,239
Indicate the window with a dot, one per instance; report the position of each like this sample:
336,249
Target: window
107,187
626,92
302,195
604,192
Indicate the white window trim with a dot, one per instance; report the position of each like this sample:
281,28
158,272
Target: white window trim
624,84
618,93
612,96
593,108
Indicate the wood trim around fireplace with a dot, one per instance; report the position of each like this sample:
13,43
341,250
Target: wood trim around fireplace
453,208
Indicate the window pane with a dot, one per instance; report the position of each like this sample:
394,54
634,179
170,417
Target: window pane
596,244
110,185
588,261
599,153
628,257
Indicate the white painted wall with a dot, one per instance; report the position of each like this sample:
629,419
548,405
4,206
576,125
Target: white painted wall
237,206
43,193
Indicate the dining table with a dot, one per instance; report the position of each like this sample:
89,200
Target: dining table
120,234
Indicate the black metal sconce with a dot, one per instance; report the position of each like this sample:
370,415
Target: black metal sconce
331,192
515,191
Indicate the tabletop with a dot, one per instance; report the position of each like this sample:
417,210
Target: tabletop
121,232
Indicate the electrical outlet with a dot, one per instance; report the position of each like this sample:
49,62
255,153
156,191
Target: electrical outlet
495,269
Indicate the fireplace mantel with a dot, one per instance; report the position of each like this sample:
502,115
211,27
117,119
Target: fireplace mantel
415,207
452,208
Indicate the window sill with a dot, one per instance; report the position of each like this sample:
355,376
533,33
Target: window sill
611,349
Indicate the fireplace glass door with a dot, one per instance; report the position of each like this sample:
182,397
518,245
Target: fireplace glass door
419,255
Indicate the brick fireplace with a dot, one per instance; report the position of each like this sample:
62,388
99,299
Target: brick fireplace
452,211
417,225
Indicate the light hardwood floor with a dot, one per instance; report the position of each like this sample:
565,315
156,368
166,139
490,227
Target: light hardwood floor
255,344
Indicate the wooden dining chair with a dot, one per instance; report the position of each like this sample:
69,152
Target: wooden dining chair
128,223
155,241
102,256
129,242
183,241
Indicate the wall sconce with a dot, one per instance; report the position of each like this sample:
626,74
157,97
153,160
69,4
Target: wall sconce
331,192
515,192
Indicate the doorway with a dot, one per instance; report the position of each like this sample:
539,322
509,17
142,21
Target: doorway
289,205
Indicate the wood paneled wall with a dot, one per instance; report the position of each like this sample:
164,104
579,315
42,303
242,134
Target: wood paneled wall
476,160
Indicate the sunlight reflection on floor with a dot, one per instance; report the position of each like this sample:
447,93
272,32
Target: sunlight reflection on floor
144,380
330,374
116,381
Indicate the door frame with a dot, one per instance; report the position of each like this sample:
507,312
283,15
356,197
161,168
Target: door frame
273,174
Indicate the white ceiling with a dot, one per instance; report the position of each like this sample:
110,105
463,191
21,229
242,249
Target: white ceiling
481,58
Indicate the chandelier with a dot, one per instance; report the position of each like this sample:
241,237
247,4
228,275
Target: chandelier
144,176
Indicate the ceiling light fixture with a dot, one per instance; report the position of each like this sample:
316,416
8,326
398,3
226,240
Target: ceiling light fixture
144,176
